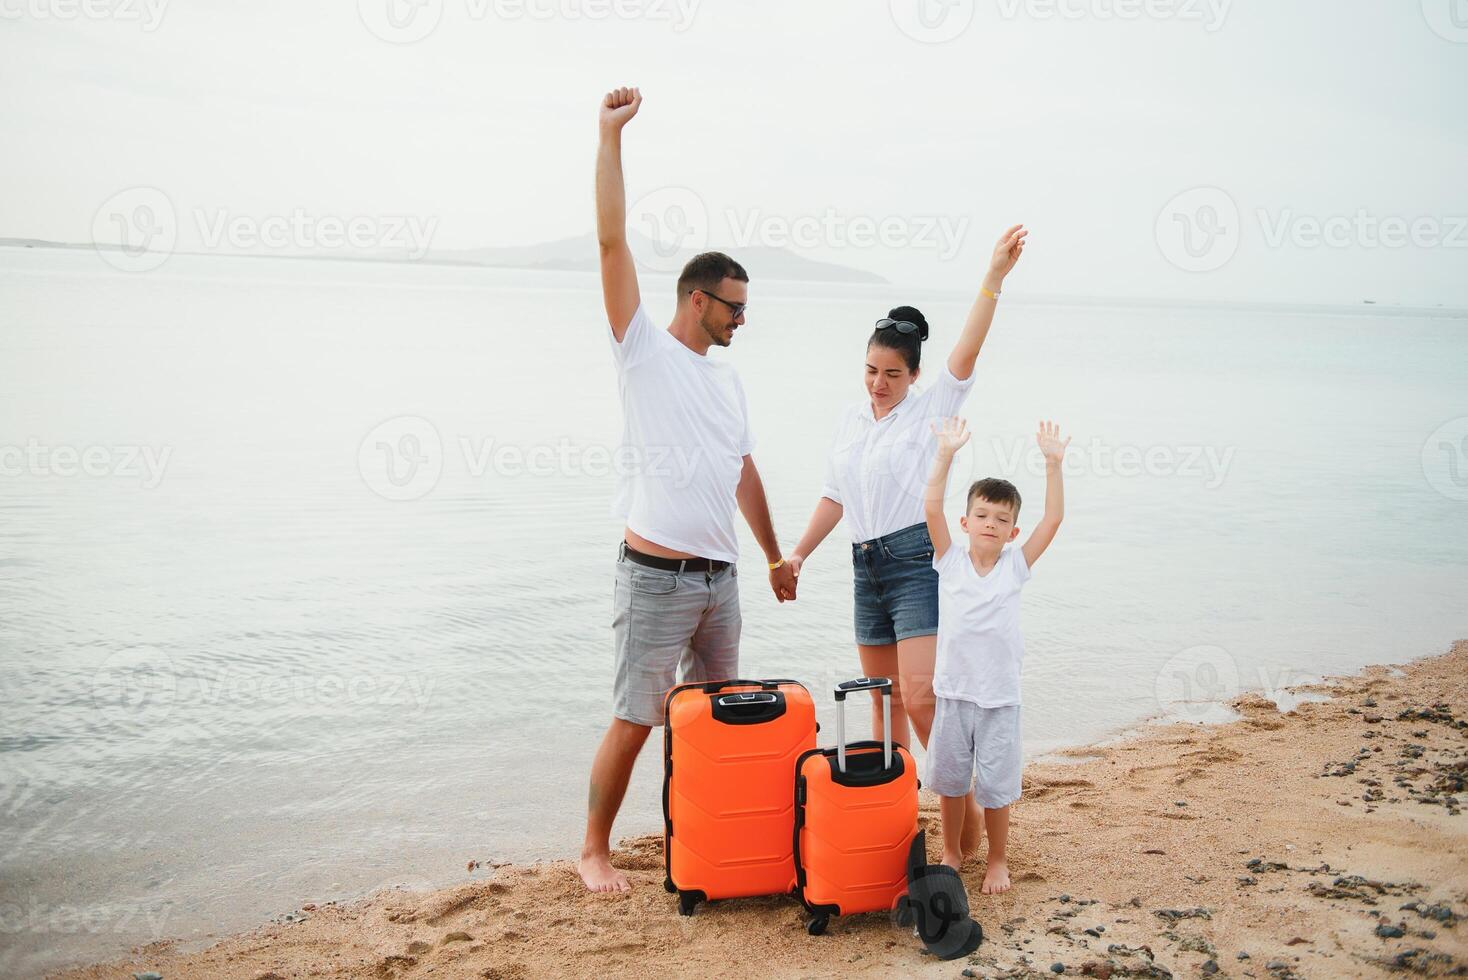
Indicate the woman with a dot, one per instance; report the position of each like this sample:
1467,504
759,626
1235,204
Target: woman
879,463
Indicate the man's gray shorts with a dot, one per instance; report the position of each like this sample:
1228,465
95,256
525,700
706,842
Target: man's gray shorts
976,747
671,628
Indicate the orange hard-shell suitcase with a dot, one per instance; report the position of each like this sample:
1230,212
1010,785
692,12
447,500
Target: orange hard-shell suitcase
729,751
856,812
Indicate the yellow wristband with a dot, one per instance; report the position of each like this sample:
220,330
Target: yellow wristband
984,291
777,564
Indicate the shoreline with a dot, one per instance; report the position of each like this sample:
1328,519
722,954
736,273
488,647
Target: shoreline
1328,840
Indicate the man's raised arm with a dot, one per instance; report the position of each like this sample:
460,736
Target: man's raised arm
618,272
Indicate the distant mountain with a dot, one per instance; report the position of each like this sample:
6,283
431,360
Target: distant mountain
43,243
765,263
579,254
568,254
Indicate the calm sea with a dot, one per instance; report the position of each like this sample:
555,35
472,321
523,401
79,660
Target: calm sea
305,567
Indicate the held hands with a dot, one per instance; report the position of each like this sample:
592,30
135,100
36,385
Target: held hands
782,582
618,107
952,435
792,565
1051,447
1010,247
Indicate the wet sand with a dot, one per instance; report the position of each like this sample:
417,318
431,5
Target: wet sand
1328,841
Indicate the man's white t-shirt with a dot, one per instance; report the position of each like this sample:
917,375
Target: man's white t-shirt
980,649
685,433
878,469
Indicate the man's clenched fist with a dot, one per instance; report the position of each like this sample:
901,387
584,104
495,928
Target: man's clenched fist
619,106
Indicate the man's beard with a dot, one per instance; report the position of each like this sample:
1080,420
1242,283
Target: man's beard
715,334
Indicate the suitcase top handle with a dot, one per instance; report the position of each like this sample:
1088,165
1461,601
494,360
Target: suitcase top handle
747,707
754,697
862,684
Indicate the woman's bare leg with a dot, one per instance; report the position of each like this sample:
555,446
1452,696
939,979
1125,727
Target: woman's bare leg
881,661
915,659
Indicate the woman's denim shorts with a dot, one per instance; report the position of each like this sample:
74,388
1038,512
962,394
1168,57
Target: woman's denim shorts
896,587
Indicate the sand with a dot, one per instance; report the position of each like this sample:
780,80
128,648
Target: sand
1325,842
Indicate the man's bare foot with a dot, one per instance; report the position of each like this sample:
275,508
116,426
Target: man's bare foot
973,829
599,875
952,858
996,879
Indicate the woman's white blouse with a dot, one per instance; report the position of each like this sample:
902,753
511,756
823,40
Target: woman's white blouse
878,470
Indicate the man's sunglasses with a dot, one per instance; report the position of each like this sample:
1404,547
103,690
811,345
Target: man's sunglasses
736,310
902,326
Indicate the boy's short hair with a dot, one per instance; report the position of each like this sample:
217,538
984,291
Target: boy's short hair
995,491
707,270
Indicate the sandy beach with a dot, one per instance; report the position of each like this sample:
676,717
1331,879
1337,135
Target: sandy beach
1328,841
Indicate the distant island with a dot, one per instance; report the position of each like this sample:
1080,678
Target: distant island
765,263
578,254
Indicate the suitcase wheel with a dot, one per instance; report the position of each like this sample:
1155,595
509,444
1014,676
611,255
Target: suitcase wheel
687,901
817,925
669,887
905,917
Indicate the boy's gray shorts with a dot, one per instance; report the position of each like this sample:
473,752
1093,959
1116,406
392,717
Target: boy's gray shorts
671,628
976,747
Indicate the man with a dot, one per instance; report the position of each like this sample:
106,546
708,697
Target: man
676,597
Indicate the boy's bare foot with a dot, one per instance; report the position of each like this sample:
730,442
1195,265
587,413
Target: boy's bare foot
952,858
996,879
597,872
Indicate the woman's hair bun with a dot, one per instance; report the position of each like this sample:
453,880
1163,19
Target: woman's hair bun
913,315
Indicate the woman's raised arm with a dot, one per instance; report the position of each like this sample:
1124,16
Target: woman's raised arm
1007,251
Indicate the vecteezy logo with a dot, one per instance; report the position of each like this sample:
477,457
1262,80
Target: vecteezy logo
135,230
136,685
1447,18
932,21
402,458
400,21
1445,459
1198,230
666,225
1197,684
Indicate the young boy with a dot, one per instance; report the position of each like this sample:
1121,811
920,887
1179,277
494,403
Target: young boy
975,733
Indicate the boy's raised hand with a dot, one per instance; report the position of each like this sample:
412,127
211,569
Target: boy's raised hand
618,107
1050,445
952,435
1053,449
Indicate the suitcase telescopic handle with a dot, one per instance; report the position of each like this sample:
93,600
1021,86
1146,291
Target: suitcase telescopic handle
883,684
862,684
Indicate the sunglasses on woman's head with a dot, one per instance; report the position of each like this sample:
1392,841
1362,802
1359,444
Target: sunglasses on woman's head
901,326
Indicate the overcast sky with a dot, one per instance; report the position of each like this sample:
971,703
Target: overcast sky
1319,146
